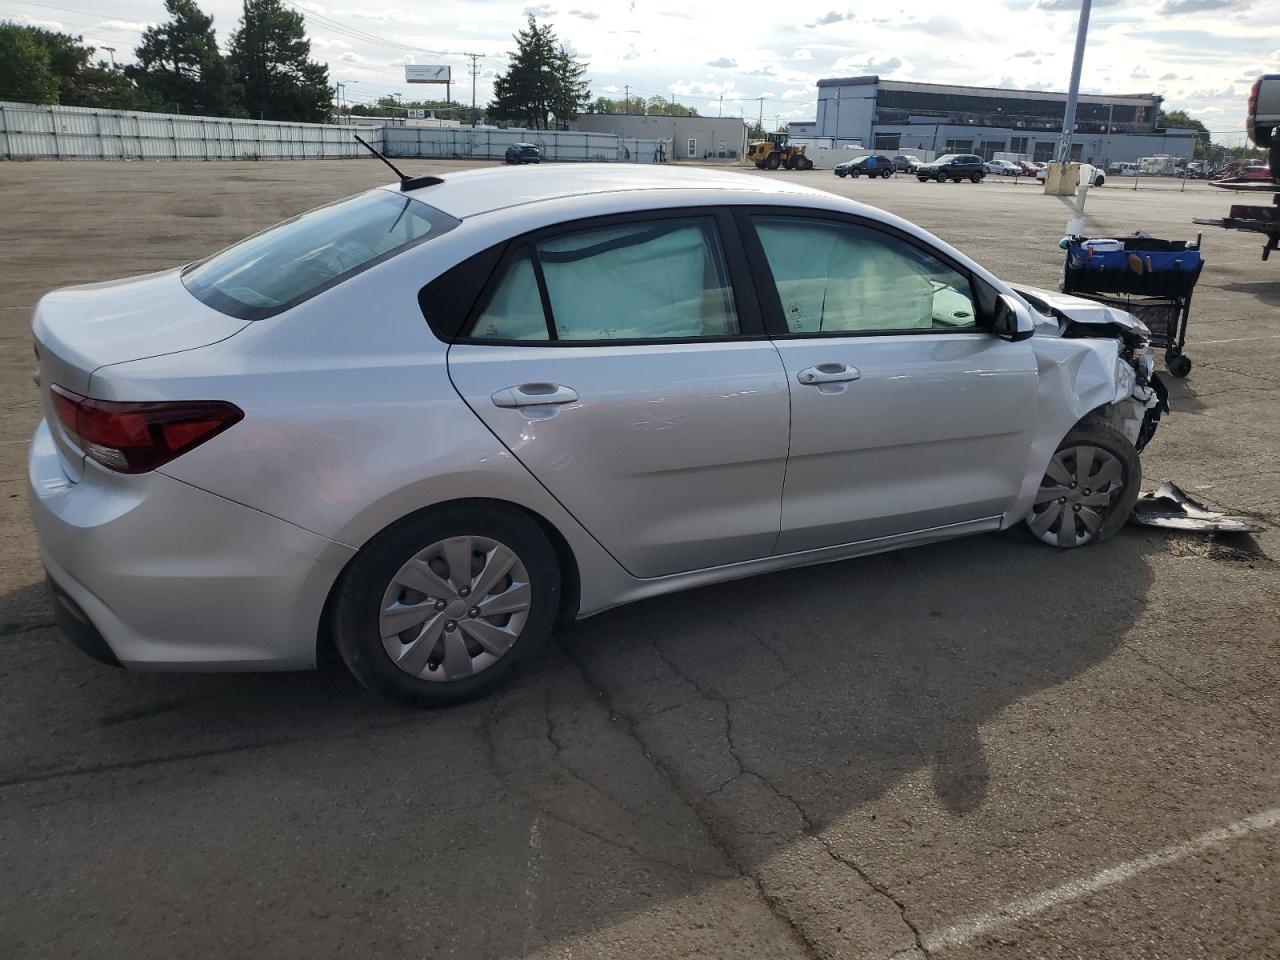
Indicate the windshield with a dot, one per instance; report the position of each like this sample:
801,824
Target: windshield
293,261
945,157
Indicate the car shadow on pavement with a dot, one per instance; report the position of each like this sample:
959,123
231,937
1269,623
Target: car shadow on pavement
655,754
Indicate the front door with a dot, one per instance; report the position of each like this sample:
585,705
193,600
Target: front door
906,413
623,363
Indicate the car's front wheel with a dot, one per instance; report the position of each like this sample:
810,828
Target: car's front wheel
941,177
442,607
1089,488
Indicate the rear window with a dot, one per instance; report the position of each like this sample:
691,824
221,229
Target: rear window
293,261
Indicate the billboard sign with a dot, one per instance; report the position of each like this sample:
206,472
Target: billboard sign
418,73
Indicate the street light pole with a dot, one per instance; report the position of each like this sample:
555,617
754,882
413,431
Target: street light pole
1073,92
112,51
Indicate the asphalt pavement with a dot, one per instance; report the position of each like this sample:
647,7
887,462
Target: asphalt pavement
978,748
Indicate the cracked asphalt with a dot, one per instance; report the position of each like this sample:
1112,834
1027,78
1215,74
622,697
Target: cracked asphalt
978,748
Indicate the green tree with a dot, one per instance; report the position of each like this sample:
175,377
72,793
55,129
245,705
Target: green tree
271,61
78,81
1179,118
26,74
656,106
543,81
179,63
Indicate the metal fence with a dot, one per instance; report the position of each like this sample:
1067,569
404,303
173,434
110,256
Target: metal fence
31,132
492,144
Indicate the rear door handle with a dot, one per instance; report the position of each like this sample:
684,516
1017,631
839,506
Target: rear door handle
534,395
828,373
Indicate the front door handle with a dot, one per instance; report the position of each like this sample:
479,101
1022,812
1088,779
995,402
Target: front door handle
534,395
828,373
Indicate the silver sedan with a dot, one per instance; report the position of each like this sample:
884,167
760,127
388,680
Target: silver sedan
428,422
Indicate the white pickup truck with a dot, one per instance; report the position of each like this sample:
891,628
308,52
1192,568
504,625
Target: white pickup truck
1264,118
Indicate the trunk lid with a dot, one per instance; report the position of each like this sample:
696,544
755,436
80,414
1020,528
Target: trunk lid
80,329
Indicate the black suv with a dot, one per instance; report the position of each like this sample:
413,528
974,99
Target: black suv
523,153
952,166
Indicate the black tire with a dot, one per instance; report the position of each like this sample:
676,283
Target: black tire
940,177
1179,364
358,598
887,173
923,179
1100,181
841,174
1093,431
808,164
855,173
773,162
976,177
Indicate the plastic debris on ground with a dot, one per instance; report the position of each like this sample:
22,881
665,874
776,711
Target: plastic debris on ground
1172,509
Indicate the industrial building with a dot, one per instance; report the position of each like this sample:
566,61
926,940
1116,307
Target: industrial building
900,115
692,138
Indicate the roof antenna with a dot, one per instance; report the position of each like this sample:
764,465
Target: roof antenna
406,183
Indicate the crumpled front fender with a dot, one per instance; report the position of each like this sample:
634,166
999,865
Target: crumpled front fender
1077,376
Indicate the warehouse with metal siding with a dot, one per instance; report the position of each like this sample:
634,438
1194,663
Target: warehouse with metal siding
692,138
892,115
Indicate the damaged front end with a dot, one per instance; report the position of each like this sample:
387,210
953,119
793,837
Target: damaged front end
1140,397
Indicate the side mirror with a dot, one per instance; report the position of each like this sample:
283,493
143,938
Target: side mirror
1013,321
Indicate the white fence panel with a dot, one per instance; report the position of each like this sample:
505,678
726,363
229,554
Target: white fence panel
33,131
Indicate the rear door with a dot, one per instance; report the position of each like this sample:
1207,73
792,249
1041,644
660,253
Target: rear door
907,413
623,361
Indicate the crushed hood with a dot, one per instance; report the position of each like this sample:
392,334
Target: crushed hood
1064,307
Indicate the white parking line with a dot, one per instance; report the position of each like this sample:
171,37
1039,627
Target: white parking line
961,933
1206,343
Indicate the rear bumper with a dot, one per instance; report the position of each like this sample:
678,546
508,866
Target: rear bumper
170,577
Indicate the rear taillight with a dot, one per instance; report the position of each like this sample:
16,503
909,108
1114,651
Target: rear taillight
130,437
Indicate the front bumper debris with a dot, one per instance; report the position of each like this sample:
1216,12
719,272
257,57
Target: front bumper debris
1170,508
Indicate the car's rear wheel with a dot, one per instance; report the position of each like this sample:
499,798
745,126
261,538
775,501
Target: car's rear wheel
1089,489
976,178
443,607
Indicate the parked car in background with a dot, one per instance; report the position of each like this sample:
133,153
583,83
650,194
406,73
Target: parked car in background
427,423
1029,167
954,167
1003,168
905,163
1099,178
1263,118
869,164
523,153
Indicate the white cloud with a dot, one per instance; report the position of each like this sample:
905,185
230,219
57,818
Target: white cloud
723,62
801,54
541,10
584,14
868,63
832,16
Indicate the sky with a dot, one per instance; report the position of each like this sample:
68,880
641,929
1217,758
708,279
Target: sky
1201,55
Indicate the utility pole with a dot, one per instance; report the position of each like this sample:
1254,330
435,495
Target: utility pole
760,118
475,72
112,51
1073,92
627,108
720,111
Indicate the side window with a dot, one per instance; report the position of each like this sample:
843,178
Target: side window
836,277
514,311
652,279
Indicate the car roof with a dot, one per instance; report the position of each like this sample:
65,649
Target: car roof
475,192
